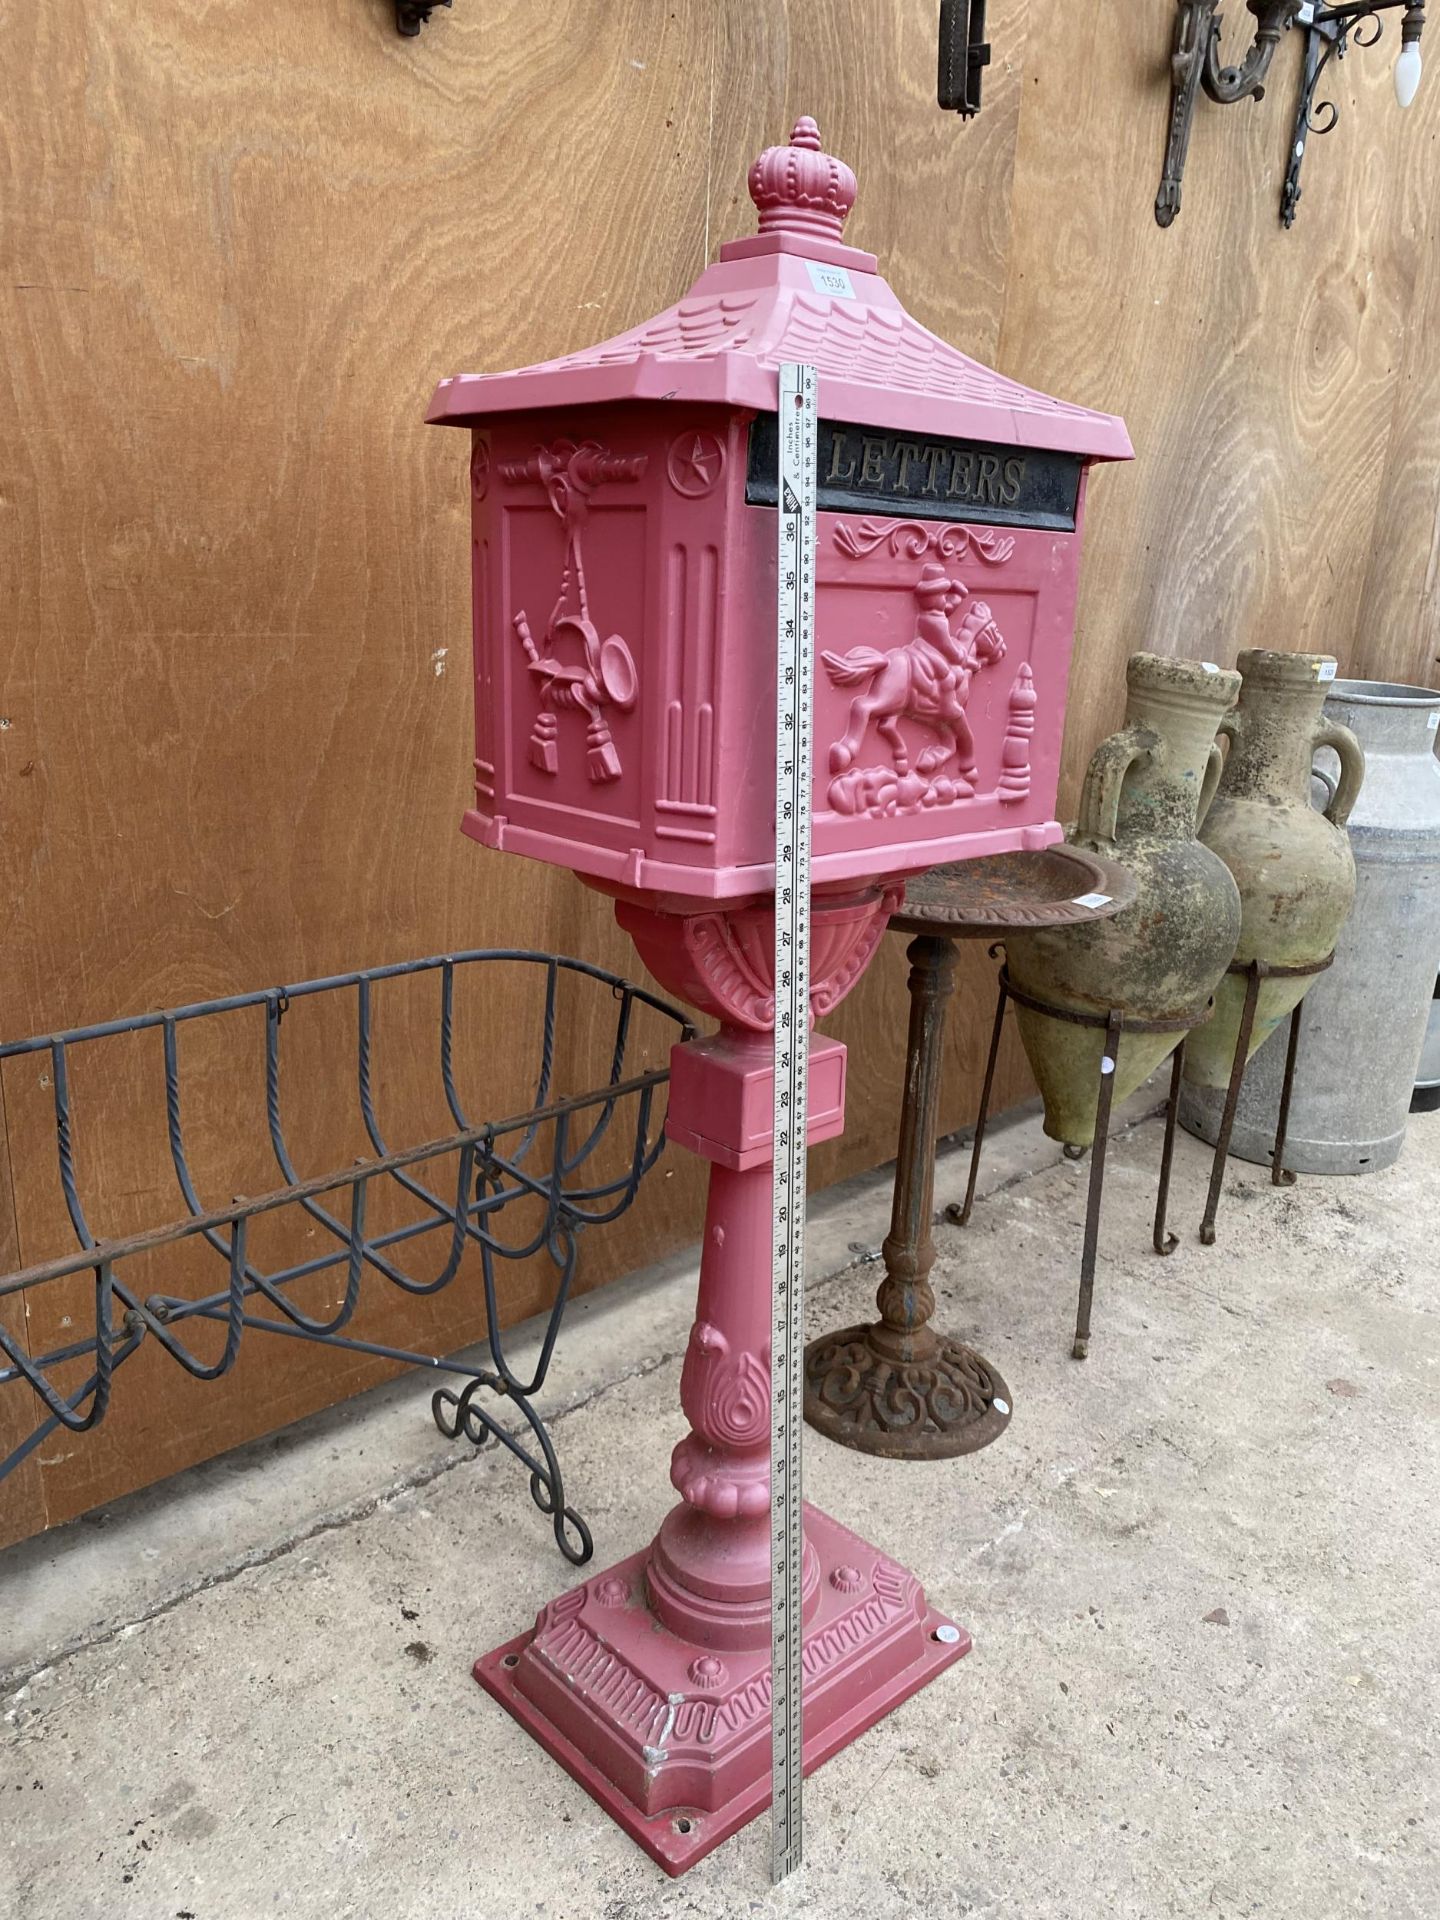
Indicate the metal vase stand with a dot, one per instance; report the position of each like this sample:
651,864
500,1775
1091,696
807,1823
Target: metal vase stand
540,1154
1115,1023
1256,971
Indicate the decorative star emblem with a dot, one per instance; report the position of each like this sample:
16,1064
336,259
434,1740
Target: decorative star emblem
701,461
695,463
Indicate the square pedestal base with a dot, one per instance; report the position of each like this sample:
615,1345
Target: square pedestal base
673,1739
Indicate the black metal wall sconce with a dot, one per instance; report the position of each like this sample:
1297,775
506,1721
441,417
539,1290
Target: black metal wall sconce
964,56
1330,29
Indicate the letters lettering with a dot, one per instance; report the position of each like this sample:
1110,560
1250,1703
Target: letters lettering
877,470
872,472
838,473
907,451
962,476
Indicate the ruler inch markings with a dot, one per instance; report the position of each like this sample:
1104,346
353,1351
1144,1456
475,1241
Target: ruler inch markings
794,765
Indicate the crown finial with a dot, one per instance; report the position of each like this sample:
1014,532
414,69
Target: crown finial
801,189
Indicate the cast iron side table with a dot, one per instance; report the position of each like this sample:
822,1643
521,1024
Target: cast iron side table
898,1388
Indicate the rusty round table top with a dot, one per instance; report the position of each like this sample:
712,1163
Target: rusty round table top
1060,886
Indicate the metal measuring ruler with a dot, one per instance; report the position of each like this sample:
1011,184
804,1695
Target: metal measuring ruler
794,763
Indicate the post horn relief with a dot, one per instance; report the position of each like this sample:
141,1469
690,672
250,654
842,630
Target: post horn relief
927,680
573,668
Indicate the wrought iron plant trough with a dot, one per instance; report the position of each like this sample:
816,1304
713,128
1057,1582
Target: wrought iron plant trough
547,1157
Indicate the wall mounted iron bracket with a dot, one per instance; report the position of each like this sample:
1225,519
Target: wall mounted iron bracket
1195,62
1329,32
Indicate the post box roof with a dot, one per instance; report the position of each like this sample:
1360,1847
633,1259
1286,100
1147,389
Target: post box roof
768,300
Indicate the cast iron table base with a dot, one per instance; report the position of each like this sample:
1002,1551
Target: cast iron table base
898,1387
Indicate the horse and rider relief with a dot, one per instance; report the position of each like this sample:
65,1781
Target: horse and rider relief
928,680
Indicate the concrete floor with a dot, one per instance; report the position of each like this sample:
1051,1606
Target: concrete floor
1200,1569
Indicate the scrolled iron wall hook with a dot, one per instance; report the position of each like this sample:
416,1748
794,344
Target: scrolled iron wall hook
1273,19
1195,63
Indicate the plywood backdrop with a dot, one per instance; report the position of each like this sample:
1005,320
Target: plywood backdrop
240,244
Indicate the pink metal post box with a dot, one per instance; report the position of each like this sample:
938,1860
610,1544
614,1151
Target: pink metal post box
624,575
624,545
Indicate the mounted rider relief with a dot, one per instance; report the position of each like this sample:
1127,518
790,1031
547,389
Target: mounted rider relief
920,690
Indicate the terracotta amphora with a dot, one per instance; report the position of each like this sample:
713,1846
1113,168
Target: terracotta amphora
1292,863
1146,790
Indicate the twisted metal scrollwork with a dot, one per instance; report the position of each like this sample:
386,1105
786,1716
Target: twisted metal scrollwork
1325,41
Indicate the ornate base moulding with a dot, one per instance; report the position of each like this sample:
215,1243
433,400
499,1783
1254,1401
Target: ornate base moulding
672,1738
903,1396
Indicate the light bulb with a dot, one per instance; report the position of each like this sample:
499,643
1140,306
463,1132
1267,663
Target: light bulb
1407,73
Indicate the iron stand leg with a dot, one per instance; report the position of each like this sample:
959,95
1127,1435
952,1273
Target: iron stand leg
1232,1101
960,1216
1280,1174
905,1300
1097,1183
898,1388
1165,1242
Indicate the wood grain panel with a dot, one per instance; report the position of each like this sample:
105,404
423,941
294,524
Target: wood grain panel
1397,636
238,247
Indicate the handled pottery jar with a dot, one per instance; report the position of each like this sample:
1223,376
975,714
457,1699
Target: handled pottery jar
1146,790
1366,1017
1292,864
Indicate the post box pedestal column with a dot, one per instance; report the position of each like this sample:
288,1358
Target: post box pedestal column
650,1684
